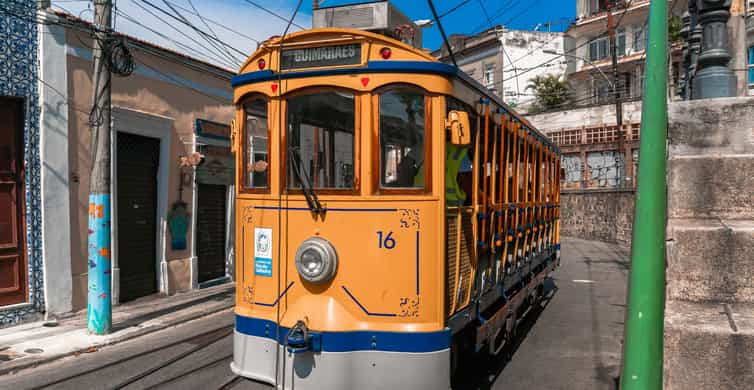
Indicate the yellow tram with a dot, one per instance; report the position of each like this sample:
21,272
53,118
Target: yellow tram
390,213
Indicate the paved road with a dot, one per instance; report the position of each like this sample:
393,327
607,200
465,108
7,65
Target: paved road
571,342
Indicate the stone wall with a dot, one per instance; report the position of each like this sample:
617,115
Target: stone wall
598,215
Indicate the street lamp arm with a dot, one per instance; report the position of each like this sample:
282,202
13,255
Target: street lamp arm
553,52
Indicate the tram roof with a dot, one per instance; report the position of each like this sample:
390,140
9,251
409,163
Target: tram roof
426,64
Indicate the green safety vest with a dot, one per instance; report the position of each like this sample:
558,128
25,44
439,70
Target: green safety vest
454,155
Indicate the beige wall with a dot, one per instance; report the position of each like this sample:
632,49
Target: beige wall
150,95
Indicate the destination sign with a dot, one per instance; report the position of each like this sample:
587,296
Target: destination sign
313,57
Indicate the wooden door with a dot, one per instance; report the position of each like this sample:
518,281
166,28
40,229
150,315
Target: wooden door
138,159
13,261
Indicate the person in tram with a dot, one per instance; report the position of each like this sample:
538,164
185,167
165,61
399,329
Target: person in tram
458,179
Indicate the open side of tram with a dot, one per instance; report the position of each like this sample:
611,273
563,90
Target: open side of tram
390,213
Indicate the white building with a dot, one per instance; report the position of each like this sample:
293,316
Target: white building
528,54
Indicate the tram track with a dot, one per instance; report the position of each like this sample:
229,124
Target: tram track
224,331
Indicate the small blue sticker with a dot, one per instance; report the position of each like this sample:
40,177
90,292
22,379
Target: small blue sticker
262,266
263,251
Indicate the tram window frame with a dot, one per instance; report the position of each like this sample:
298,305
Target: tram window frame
453,103
243,173
356,163
377,185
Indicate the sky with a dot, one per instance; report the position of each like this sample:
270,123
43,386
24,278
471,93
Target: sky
239,22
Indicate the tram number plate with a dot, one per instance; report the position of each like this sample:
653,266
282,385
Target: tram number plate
313,57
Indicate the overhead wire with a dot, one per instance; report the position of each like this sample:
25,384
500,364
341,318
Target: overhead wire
213,56
453,9
175,42
214,22
502,44
255,4
211,39
280,199
192,26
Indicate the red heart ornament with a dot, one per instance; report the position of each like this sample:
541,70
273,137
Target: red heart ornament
364,81
274,87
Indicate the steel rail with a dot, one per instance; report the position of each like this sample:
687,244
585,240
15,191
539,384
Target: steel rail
128,358
183,355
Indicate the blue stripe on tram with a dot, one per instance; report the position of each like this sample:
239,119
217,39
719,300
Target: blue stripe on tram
349,341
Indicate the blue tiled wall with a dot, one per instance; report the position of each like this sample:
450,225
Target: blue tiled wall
19,68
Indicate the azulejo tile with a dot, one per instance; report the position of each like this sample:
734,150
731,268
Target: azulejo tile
19,68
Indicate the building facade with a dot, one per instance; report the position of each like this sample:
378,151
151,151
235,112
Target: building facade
172,171
505,60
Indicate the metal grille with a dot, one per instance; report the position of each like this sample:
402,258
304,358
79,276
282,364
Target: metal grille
462,280
353,17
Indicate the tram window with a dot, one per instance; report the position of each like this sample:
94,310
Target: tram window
257,147
320,140
402,138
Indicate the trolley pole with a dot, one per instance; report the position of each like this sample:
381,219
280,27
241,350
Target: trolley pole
643,332
99,305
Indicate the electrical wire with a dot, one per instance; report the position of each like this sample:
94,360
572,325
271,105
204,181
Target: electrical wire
192,26
502,44
213,22
213,55
280,198
175,42
211,39
275,15
453,9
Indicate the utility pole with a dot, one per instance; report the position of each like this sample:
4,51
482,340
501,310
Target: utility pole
618,103
99,306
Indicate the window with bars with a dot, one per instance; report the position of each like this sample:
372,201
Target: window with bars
640,38
489,75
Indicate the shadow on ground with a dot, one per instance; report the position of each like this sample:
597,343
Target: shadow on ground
481,370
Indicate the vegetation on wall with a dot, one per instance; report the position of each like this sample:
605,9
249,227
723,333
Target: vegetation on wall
550,91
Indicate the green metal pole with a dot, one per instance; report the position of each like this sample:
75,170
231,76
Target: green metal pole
643,333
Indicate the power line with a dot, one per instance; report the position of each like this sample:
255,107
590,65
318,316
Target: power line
177,43
454,8
213,22
274,14
525,10
211,39
502,45
212,54
498,13
193,27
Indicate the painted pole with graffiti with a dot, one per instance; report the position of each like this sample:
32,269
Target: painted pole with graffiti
99,299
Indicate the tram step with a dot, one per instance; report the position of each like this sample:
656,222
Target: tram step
721,126
711,186
710,260
708,346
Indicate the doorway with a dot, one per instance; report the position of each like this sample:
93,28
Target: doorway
13,260
137,163
211,231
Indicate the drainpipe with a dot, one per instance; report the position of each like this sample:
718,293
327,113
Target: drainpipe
643,333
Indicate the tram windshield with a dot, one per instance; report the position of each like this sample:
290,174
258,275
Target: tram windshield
321,135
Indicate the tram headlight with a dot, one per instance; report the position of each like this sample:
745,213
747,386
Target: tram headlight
316,260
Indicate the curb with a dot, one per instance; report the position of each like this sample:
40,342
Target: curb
31,363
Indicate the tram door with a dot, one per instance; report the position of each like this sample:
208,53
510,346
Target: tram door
13,282
211,231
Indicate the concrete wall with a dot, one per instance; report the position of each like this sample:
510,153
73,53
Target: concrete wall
590,116
598,215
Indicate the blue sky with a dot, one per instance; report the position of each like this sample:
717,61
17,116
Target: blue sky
252,22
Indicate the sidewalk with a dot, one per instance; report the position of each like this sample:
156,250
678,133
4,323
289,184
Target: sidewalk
32,344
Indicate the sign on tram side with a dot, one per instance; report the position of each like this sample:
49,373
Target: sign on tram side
313,57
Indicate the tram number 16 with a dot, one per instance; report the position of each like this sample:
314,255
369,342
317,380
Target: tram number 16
385,240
